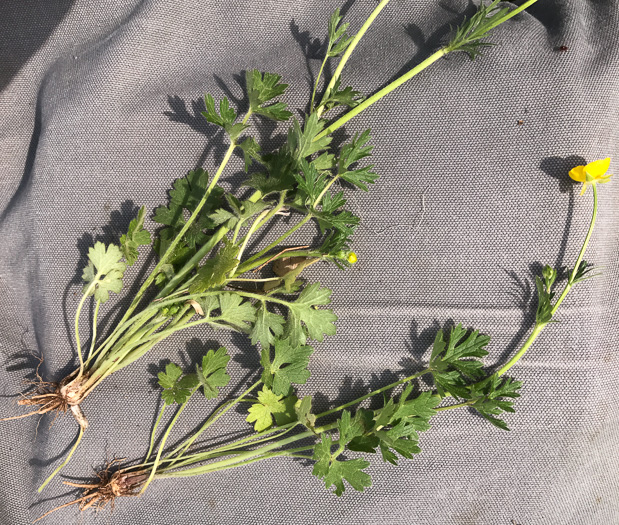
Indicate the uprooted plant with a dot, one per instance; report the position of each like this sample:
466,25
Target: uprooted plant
281,420
201,220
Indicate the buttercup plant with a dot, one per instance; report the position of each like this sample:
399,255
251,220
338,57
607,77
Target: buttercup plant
455,367
205,272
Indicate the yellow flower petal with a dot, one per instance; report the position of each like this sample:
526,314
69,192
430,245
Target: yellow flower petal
578,174
597,168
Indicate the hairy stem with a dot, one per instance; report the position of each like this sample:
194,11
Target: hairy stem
152,435
94,331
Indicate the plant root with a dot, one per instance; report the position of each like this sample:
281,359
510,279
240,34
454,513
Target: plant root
108,487
54,397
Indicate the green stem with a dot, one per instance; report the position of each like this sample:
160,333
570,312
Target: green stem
117,355
451,407
164,439
235,464
527,344
322,66
382,93
163,260
244,456
94,331
570,283
325,190
509,15
375,392
180,450
251,231
273,211
152,435
77,320
178,278
229,449
120,334
266,279
274,244
349,50
64,463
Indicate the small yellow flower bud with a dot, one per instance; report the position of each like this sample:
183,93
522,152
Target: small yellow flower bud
352,258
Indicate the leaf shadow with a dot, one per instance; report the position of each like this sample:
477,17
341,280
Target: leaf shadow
351,389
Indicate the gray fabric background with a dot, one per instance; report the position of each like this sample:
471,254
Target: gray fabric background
99,107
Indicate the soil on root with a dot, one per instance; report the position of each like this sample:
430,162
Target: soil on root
104,491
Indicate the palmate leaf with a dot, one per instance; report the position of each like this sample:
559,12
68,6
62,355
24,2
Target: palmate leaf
301,143
271,408
225,118
310,181
213,273
335,472
457,361
251,152
338,39
177,388
104,272
236,311
303,409
493,396
289,366
395,427
267,327
352,153
305,320
469,33
136,236
240,211
337,97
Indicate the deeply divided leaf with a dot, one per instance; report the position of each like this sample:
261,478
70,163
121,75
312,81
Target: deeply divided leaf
306,320
289,365
261,89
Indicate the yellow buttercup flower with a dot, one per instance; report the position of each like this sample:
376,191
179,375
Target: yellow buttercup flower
592,173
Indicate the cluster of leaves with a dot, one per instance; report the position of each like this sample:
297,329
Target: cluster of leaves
186,194
211,376
270,409
456,362
545,295
457,371
305,320
392,430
